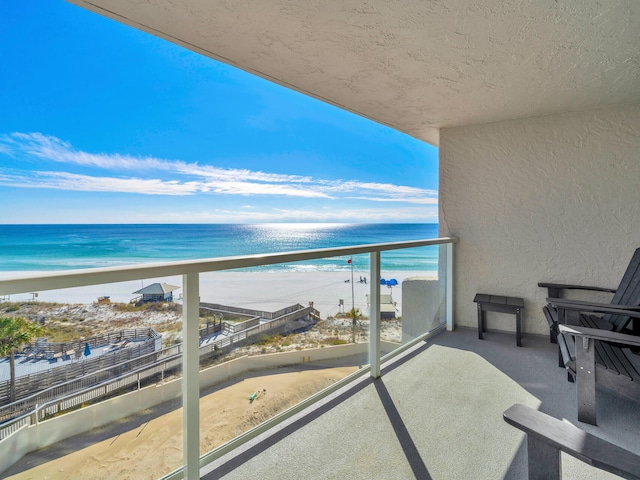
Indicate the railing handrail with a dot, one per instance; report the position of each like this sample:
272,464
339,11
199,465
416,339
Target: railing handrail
97,276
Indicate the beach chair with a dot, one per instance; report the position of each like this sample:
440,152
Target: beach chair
596,314
594,356
548,436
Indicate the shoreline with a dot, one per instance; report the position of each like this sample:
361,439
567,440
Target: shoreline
268,291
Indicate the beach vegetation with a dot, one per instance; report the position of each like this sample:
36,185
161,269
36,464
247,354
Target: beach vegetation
65,332
277,342
15,334
335,341
354,314
146,307
12,307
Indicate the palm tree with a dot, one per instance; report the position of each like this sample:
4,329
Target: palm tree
353,314
15,333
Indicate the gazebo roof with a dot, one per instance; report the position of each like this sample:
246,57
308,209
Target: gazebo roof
157,288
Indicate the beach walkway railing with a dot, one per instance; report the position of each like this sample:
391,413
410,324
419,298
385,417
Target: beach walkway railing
190,271
145,342
107,338
101,383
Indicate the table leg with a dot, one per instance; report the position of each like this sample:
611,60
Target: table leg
518,328
480,321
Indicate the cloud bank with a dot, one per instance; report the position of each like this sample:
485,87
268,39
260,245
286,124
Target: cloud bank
47,162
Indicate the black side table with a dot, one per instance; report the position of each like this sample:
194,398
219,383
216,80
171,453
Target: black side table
497,303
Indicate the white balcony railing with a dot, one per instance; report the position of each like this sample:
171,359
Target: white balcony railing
190,271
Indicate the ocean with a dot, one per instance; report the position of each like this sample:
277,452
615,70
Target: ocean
64,247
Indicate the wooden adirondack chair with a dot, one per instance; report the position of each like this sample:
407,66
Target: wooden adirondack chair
548,436
582,313
593,356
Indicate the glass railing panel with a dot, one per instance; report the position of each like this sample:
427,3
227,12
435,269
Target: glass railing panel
100,388
268,337
412,294
276,335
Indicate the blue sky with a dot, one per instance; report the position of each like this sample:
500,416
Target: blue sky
101,123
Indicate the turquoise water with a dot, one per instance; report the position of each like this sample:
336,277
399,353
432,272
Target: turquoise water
63,247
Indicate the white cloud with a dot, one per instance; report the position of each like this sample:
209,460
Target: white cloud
252,188
184,178
369,215
51,148
85,183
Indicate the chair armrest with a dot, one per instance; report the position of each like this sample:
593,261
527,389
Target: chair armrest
621,339
560,286
570,439
594,307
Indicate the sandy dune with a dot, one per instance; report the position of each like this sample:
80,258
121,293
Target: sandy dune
149,445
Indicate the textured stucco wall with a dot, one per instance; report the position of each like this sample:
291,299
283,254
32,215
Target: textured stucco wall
554,198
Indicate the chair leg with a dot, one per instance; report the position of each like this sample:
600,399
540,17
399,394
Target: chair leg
560,360
586,380
543,460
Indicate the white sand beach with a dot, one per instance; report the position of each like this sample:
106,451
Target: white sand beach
268,291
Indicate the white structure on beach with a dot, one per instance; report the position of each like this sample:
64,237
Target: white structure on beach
157,292
388,307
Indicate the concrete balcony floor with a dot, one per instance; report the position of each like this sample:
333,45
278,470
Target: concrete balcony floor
436,412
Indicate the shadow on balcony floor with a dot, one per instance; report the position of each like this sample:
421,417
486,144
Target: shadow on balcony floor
436,412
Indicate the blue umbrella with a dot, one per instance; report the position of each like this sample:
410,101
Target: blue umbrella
383,281
87,349
392,283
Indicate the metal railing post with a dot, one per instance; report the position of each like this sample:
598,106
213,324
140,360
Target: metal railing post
374,314
449,293
190,377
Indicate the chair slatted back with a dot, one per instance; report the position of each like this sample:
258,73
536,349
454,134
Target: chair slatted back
628,292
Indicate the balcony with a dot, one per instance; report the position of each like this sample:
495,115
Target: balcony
431,408
436,412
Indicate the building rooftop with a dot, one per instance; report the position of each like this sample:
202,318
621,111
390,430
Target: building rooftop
157,289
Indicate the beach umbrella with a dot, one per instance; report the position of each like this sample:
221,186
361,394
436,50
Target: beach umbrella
392,283
87,349
383,281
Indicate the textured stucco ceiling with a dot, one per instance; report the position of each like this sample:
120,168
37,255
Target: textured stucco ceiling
416,65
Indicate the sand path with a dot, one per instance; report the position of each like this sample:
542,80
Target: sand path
149,445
